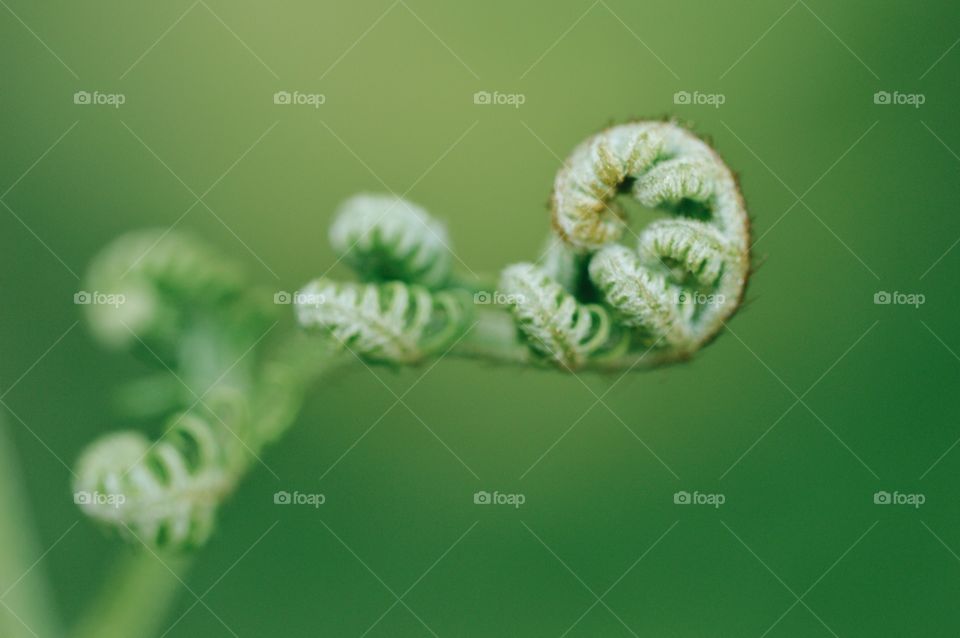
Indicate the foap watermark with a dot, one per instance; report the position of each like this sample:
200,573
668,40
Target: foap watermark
498,498
899,498
299,498
96,98
686,298
897,98
516,100
696,98
296,98
99,498
497,298
699,498
896,298
283,298
85,298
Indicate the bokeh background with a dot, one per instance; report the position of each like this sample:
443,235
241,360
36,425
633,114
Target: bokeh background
813,401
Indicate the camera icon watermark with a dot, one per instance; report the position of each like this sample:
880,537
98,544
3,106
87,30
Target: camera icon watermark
699,498
86,298
896,298
685,298
299,498
296,98
696,98
99,499
496,98
884,98
284,298
898,498
497,298
497,498
96,98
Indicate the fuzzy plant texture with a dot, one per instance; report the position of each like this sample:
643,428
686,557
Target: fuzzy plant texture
600,297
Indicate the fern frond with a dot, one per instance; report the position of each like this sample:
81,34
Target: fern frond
555,324
672,181
642,296
688,273
385,238
165,493
594,304
584,212
154,275
696,247
390,323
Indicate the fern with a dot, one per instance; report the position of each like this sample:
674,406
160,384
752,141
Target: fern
592,304
388,238
391,323
157,276
553,321
163,493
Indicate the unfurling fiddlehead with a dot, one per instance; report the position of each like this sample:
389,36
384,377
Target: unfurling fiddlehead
593,302
390,240
163,493
158,277
192,314
686,275
393,322
387,238
590,302
555,323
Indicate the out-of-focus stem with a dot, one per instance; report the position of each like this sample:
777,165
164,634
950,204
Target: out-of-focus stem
136,596
27,606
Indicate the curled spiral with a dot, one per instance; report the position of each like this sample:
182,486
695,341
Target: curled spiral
687,273
156,276
645,300
393,322
386,238
556,325
408,314
584,213
163,493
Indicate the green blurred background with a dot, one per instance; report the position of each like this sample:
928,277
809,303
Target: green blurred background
817,399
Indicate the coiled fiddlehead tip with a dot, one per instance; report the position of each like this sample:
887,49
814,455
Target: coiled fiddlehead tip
385,238
585,214
141,283
165,493
688,273
553,322
643,298
393,322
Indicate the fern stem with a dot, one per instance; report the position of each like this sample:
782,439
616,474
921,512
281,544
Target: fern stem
29,598
135,599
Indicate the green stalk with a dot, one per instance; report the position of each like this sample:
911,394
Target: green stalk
136,597
27,609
